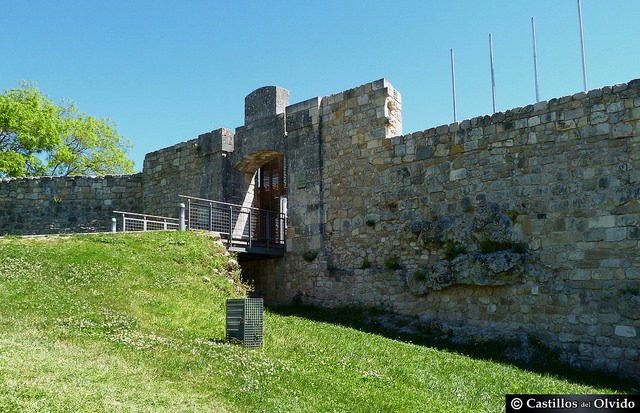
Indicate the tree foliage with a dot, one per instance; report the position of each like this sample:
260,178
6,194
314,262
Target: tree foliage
39,137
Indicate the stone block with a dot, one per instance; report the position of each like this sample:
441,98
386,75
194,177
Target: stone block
457,174
629,220
614,353
610,263
631,354
603,129
604,221
424,152
580,275
566,338
625,331
633,273
598,117
594,234
574,114
363,99
616,234
615,107
585,349
622,130
442,150
265,102
589,319
549,117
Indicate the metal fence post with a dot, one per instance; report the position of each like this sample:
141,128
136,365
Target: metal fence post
182,219
283,241
124,223
113,225
210,216
230,224
144,224
250,235
189,213
268,229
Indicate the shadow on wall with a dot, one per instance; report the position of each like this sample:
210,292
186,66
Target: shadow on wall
264,275
526,352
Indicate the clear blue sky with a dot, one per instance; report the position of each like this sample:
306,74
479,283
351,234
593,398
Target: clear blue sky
165,71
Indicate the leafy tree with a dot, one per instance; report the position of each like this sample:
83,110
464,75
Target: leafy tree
38,137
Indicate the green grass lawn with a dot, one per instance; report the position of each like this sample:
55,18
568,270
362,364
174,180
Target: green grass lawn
128,323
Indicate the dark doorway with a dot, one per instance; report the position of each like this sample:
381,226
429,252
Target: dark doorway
271,187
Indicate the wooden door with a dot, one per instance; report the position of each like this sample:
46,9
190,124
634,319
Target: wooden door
271,185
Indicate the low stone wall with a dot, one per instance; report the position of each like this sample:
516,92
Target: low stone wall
66,204
41,205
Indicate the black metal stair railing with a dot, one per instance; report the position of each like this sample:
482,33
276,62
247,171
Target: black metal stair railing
244,228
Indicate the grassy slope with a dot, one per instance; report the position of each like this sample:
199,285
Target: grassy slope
126,322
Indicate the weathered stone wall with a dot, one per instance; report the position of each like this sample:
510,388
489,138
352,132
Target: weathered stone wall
258,141
526,221
523,223
170,172
318,130
66,204
196,167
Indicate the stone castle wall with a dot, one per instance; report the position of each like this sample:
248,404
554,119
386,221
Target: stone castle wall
524,222
66,204
46,205
195,168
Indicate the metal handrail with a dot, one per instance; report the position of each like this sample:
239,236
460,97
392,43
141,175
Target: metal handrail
225,203
148,222
144,215
238,224
242,226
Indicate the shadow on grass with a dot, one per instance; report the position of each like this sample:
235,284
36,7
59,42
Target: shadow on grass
543,360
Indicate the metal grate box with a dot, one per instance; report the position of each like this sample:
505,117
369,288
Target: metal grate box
245,321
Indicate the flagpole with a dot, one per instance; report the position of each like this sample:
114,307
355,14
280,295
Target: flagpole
584,64
493,78
535,58
453,84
